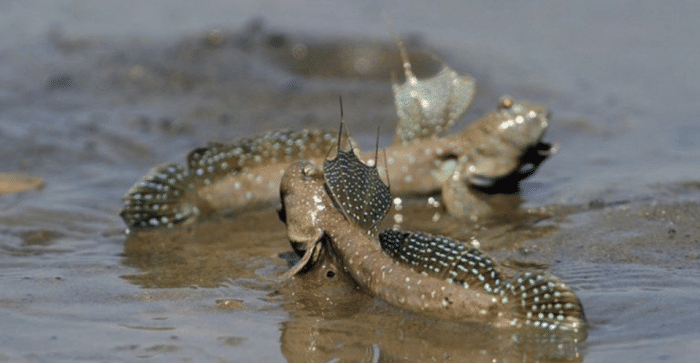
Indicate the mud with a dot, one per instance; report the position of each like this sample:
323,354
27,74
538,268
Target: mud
90,102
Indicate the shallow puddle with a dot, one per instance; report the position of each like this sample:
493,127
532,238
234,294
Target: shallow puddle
615,213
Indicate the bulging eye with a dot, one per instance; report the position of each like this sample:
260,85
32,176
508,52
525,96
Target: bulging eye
505,103
447,156
310,170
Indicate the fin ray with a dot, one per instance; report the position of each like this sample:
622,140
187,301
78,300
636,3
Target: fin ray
545,302
356,188
426,108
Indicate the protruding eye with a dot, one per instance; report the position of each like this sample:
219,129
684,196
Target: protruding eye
310,170
505,103
447,156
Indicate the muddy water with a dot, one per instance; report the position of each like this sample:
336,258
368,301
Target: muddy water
93,95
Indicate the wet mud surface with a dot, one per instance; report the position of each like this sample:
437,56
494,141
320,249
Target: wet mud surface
614,214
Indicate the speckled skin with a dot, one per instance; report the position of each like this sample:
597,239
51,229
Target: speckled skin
247,172
491,155
220,178
419,272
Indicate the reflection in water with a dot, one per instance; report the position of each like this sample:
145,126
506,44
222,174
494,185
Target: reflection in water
330,317
206,254
333,320
380,333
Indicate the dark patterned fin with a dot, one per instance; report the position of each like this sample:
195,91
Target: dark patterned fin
545,302
538,300
444,258
356,188
157,200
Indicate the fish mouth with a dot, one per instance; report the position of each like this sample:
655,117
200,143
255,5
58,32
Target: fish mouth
510,183
533,157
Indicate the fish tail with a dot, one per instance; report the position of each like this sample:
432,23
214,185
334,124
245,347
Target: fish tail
159,199
544,301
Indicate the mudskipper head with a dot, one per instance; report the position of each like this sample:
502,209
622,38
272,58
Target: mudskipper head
303,201
510,146
523,123
505,148
302,198
310,196
353,187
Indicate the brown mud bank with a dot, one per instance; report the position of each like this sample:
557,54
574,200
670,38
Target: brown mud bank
89,115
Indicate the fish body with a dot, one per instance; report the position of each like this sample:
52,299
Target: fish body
431,275
245,173
461,275
220,177
492,155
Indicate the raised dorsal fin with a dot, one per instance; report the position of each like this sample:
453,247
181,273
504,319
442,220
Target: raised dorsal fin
428,107
357,190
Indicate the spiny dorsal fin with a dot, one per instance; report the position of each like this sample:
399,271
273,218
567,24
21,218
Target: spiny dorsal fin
428,107
356,188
